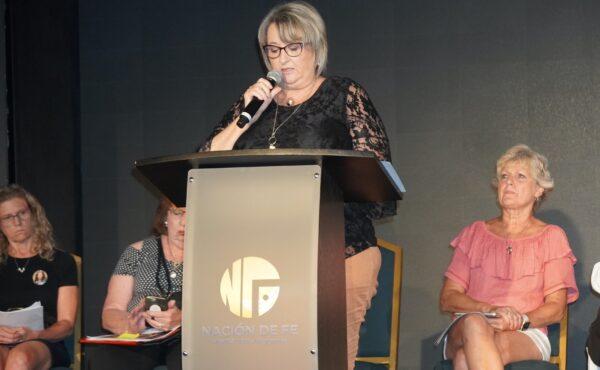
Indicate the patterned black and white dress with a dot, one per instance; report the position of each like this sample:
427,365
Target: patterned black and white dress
148,271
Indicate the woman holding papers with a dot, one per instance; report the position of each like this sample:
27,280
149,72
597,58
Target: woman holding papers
309,110
514,265
33,270
148,271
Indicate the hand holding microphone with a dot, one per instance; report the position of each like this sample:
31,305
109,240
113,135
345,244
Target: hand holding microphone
258,97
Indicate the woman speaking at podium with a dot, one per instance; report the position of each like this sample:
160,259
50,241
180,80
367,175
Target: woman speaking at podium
308,110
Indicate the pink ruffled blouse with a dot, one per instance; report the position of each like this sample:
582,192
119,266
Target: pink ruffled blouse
513,272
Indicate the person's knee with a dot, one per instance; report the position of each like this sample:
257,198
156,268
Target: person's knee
459,362
3,356
475,325
19,359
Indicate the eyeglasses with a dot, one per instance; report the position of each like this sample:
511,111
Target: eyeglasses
294,49
177,212
22,215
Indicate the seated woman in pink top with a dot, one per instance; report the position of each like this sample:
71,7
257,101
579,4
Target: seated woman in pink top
514,265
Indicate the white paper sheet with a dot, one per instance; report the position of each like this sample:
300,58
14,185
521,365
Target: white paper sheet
31,317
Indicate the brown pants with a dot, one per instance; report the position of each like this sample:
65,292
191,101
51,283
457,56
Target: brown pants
361,287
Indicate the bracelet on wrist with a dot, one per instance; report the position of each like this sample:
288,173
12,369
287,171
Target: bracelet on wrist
525,322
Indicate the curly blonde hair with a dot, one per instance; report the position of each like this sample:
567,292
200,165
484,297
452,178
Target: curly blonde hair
43,237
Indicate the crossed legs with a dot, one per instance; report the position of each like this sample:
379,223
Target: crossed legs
474,344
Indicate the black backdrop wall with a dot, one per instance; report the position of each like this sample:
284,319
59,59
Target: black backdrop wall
3,103
456,82
43,75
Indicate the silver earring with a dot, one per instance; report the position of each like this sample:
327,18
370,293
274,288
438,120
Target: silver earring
166,223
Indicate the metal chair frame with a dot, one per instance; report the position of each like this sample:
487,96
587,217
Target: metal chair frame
391,360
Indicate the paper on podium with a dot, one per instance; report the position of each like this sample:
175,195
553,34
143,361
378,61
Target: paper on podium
393,175
31,317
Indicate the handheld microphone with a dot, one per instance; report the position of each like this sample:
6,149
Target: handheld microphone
274,77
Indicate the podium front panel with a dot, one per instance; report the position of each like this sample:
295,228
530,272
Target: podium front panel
250,274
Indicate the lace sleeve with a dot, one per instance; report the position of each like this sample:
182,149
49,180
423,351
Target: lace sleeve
368,134
366,128
229,117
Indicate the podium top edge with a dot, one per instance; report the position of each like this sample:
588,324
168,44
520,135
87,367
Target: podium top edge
255,153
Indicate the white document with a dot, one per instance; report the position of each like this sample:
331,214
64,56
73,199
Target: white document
31,317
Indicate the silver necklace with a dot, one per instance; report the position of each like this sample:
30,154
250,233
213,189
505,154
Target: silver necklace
272,139
175,264
19,268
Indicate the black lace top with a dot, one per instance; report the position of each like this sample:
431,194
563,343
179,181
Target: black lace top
339,115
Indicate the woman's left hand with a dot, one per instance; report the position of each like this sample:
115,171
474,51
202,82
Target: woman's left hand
510,319
25,333
164,320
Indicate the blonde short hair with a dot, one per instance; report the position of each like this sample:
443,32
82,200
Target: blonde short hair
297,22
537,162
43,236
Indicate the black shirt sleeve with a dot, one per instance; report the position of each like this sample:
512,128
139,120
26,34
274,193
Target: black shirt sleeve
66,268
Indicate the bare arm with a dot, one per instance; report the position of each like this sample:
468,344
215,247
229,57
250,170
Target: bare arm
115,317
227,132
552,311
66,308
453,299
226,139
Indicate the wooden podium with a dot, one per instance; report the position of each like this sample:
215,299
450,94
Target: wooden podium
264,282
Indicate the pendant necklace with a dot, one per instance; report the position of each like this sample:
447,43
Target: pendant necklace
272,139
19,268
175,264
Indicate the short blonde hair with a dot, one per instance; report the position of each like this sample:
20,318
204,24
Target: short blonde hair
43,236
297,22
537,162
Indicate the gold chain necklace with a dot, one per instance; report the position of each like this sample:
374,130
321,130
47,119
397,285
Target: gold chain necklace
272,139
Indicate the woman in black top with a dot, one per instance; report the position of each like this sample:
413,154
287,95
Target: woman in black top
309,110
32,269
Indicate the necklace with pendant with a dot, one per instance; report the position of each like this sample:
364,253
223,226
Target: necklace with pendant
273,139
19,268
175,264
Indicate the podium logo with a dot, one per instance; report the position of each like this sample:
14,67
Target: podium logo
248,288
